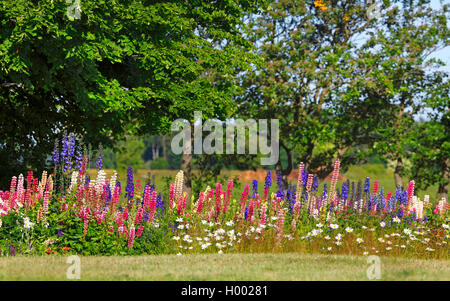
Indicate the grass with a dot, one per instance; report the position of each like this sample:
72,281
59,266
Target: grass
249,267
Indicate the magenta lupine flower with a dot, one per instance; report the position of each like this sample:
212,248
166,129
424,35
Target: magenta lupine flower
140,230
200,203
125,214
227,195
251,207
131,237
139,216
152,206
146,201
172,196
410,191
375,187
244,198
218,194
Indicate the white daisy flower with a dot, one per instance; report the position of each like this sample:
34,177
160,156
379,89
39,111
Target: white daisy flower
349,230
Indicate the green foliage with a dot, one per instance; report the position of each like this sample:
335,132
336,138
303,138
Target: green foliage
159,163
123,66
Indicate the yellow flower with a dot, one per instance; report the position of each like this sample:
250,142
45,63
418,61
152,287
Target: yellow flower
320,5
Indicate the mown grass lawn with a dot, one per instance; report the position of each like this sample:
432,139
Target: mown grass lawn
227,267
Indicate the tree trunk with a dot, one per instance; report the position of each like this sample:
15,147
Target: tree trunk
164,150
443,186
398,173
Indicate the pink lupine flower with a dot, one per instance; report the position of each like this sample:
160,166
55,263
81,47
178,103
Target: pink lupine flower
152,207
125,214
309,182
297,207
139,216
299,181
410,191
146,200
218,200
251,206
200,203
172,196
375,187
131,237
122,229
263,217
140,230
45,203
244,198
334,180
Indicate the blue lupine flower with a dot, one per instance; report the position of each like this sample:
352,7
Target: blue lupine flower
325,191
130,184
55,153
254,188
79,160
87,180
344,191
108,195
246,212
99,162
367,185
305,177
315,184
268,179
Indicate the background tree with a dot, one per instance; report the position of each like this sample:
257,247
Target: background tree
143,63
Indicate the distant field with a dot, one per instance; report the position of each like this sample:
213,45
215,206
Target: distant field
226,267
355,173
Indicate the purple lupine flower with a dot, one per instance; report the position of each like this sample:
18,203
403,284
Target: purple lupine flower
315,184
254,188
344,191
305,177
246,213
87,180
108,195
55,153
279,178
99,162
60,232
79,160
268,179
367,185
64,152
325,191
130,184
161,204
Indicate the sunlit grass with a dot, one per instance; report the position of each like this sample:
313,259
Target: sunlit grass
229,267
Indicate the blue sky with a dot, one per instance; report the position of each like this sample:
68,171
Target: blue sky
443,54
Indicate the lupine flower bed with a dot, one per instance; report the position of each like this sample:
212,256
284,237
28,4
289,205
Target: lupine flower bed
68,213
